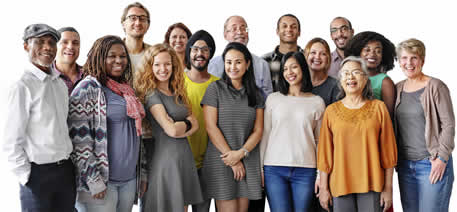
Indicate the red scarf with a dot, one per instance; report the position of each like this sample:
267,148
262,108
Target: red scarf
135,109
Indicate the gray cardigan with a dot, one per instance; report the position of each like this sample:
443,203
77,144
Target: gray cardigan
439,118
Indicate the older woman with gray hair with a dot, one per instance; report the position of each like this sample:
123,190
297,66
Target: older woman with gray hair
425,128
357,149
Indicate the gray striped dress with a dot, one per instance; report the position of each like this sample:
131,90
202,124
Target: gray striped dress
236,122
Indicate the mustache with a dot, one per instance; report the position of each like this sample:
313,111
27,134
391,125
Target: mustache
200,57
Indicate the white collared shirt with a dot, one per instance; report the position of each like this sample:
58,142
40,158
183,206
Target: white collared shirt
36,129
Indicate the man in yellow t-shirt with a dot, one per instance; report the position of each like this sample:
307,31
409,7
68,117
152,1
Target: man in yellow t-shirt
199,50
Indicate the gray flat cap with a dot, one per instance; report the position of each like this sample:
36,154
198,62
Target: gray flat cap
39,30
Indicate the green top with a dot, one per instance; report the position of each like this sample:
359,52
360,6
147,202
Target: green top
376,84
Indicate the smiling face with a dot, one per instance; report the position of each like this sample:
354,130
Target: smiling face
178,40
199,55
372,54
133,26
236,30
162,66
318,57
235,64
340,33
353,79
411,64
116,62
287,30
292,72
41,51
68,47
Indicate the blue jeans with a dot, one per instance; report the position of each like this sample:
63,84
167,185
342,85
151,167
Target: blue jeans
289,188
119,197
416,192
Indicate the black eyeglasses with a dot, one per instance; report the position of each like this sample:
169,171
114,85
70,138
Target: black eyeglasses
343,29
203,49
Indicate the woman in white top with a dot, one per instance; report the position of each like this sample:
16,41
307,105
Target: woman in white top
291,128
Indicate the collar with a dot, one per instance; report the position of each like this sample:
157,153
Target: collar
58,72
38,73
336,56
278,55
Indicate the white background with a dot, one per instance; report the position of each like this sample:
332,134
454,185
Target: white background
433,22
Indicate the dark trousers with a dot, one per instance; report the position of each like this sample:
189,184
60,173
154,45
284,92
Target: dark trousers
257,205
51,187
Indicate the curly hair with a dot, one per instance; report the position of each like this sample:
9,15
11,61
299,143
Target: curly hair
358,42
95,63
146,82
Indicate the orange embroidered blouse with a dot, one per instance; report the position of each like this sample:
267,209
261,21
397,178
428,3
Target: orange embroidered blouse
356,146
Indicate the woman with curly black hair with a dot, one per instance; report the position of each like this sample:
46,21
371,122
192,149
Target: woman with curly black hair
379,54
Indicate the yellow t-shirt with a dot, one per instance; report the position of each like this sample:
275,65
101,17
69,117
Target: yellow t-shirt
199,140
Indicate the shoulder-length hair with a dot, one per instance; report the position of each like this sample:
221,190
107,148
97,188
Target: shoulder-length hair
172,27
248,79
367,92
306,84
95,63
326,47
359,41
146,82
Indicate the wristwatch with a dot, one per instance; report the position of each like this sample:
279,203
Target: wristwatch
442,159
246,152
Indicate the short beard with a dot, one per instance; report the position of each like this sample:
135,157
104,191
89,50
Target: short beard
200,68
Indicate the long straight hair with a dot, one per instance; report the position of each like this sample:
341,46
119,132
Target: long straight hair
248,79
306,84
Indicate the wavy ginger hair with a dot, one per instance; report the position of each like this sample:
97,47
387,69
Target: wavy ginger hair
146,82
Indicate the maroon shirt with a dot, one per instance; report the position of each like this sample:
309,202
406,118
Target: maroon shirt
66,80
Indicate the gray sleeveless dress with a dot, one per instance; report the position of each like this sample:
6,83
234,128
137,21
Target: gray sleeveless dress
172,177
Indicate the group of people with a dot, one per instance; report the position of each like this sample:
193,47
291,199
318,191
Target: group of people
172,125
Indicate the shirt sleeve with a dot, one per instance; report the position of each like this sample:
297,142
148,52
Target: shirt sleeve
388,145
267,125
153,99
18,113
446,119
260,101
325,146
267,84
211,97
89,147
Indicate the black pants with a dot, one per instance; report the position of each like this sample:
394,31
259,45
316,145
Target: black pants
257,205
51,187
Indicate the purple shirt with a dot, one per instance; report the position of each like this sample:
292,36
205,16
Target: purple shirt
66,80
335,65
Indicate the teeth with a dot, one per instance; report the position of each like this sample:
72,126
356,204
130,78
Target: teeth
371,60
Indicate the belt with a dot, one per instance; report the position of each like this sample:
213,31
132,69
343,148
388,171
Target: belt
58,163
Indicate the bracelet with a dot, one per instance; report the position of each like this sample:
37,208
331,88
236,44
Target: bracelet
188,124
442,159
246,152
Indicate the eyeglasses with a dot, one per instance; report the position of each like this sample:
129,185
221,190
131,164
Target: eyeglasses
235,29
343,29
133,18
347,74
203,49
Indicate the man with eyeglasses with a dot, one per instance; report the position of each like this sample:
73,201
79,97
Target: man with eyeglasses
135,22
288,31
341,32
199,50
236,30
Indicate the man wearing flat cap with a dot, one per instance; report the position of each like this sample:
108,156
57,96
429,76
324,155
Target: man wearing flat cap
37,142
199,50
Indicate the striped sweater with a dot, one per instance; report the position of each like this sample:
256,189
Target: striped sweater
88,132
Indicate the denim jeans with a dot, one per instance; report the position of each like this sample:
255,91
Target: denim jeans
289,188
416,192
119,197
